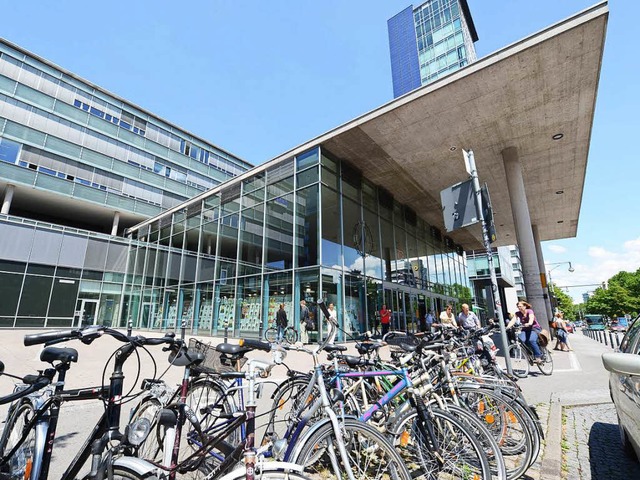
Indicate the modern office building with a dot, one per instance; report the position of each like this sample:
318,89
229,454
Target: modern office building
430,41
306,226
78,165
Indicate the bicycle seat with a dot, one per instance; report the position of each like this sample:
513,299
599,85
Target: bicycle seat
367,347
65,355
335,348
354,361
234,350
182,358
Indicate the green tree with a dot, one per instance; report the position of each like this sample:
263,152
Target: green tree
564,303
629,281
613,302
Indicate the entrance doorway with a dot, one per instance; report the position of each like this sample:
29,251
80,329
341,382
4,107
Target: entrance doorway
86,311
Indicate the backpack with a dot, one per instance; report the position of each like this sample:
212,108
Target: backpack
310,324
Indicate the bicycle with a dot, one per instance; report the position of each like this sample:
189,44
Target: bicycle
220,435
290,335
27,440
334,444
522,357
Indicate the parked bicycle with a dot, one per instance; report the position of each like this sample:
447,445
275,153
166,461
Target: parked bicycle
27,441
522,357
290,335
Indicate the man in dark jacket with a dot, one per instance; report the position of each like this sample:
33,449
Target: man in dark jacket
281,321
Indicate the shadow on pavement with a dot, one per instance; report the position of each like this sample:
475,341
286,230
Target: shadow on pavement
606,455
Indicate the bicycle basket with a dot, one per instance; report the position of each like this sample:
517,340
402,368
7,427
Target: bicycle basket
214,360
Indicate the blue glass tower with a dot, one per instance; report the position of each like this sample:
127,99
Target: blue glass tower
430,41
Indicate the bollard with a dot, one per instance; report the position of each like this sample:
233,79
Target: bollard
599,336
611,338
604,336
618,339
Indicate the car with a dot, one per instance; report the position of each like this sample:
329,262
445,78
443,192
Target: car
619,325
595,321
624,387
570,327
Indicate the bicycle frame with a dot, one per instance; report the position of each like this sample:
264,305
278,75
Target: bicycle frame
45,420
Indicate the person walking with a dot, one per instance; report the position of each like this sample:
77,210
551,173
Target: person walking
447,319
562,335
530,328
281,321
305,320
385,319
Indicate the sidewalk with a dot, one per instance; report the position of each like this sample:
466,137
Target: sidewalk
581,440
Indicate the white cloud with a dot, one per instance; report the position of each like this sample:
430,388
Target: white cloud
600,265
557,248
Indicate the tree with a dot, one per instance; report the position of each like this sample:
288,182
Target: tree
613,302
564,303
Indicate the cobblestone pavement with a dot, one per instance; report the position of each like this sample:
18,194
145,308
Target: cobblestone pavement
591,444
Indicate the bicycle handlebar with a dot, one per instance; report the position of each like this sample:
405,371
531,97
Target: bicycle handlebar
38,338
255,344
88,334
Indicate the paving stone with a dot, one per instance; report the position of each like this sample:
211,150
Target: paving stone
591,445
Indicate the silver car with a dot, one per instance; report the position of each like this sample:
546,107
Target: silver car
624,385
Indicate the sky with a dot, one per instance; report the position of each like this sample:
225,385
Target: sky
258,78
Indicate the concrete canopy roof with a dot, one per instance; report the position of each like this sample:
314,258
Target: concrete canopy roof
520,96
517,97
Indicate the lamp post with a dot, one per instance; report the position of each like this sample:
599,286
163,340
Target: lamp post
550,283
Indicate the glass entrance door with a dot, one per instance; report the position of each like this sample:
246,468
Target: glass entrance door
86,312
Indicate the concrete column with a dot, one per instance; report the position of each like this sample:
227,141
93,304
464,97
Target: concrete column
543,270
116,222
8,198
524,234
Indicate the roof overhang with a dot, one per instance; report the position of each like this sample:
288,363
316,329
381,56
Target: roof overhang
520,96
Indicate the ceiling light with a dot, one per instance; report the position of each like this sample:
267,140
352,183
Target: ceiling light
558,136
559,192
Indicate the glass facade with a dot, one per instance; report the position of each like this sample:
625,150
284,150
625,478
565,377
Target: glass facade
309,227
438,41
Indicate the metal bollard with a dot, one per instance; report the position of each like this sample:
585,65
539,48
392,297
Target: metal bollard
618,339
599,336
611,339
604,335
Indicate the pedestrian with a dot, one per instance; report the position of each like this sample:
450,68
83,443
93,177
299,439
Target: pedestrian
430,318
333,314
385,319
530,328
281,321
447,319
467,319
562,335
304,322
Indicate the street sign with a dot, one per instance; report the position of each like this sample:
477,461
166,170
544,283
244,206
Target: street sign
459,206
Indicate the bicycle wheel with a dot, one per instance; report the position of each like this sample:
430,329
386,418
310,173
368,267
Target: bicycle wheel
151,448
519,360
460,455
271,334
210,403
489,443
369,454
291,335
20,463
546,367
287,399
504,419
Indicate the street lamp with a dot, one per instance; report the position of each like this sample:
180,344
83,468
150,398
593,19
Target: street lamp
550,283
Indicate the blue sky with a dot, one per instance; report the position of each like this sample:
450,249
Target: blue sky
260,77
